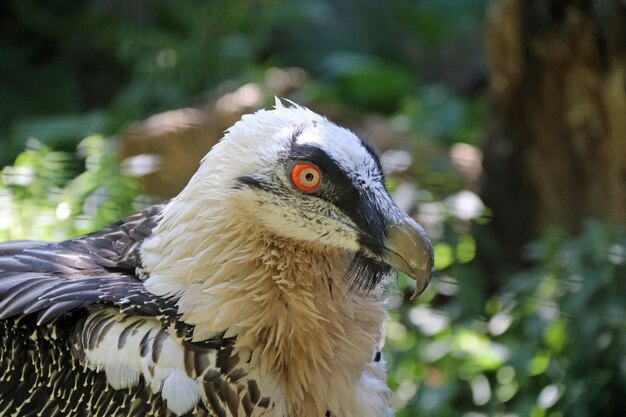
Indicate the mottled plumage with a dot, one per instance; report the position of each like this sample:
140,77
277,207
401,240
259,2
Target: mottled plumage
246,295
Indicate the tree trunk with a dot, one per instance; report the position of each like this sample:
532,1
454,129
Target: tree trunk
556,152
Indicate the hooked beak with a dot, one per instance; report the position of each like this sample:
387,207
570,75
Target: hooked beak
408,249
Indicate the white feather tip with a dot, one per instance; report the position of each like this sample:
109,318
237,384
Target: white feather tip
278,104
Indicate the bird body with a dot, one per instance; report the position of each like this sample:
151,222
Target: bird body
255,292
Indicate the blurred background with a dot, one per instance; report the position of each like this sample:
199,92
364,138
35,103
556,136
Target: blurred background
502,128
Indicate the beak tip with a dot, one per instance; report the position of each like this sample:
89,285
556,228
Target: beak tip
421,286
411,252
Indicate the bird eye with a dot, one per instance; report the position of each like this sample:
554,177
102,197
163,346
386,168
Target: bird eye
307,177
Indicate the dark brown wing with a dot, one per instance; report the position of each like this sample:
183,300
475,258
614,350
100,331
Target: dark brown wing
51,279
44,369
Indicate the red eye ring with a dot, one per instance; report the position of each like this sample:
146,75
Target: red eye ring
306,177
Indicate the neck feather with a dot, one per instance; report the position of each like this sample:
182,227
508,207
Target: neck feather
286,302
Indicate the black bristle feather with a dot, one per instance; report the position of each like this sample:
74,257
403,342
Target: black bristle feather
365,274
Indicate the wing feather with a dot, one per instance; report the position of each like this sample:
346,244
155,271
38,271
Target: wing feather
54,278
57,309
22,295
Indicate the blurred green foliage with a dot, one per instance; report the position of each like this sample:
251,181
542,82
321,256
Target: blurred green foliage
550,342
52,195
68,72
545,340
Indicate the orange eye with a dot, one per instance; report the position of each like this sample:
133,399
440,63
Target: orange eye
307,177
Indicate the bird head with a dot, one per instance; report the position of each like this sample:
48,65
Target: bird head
294,174
304,178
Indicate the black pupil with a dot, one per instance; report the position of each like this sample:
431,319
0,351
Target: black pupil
309,176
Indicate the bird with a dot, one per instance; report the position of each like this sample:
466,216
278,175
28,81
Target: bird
256,291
